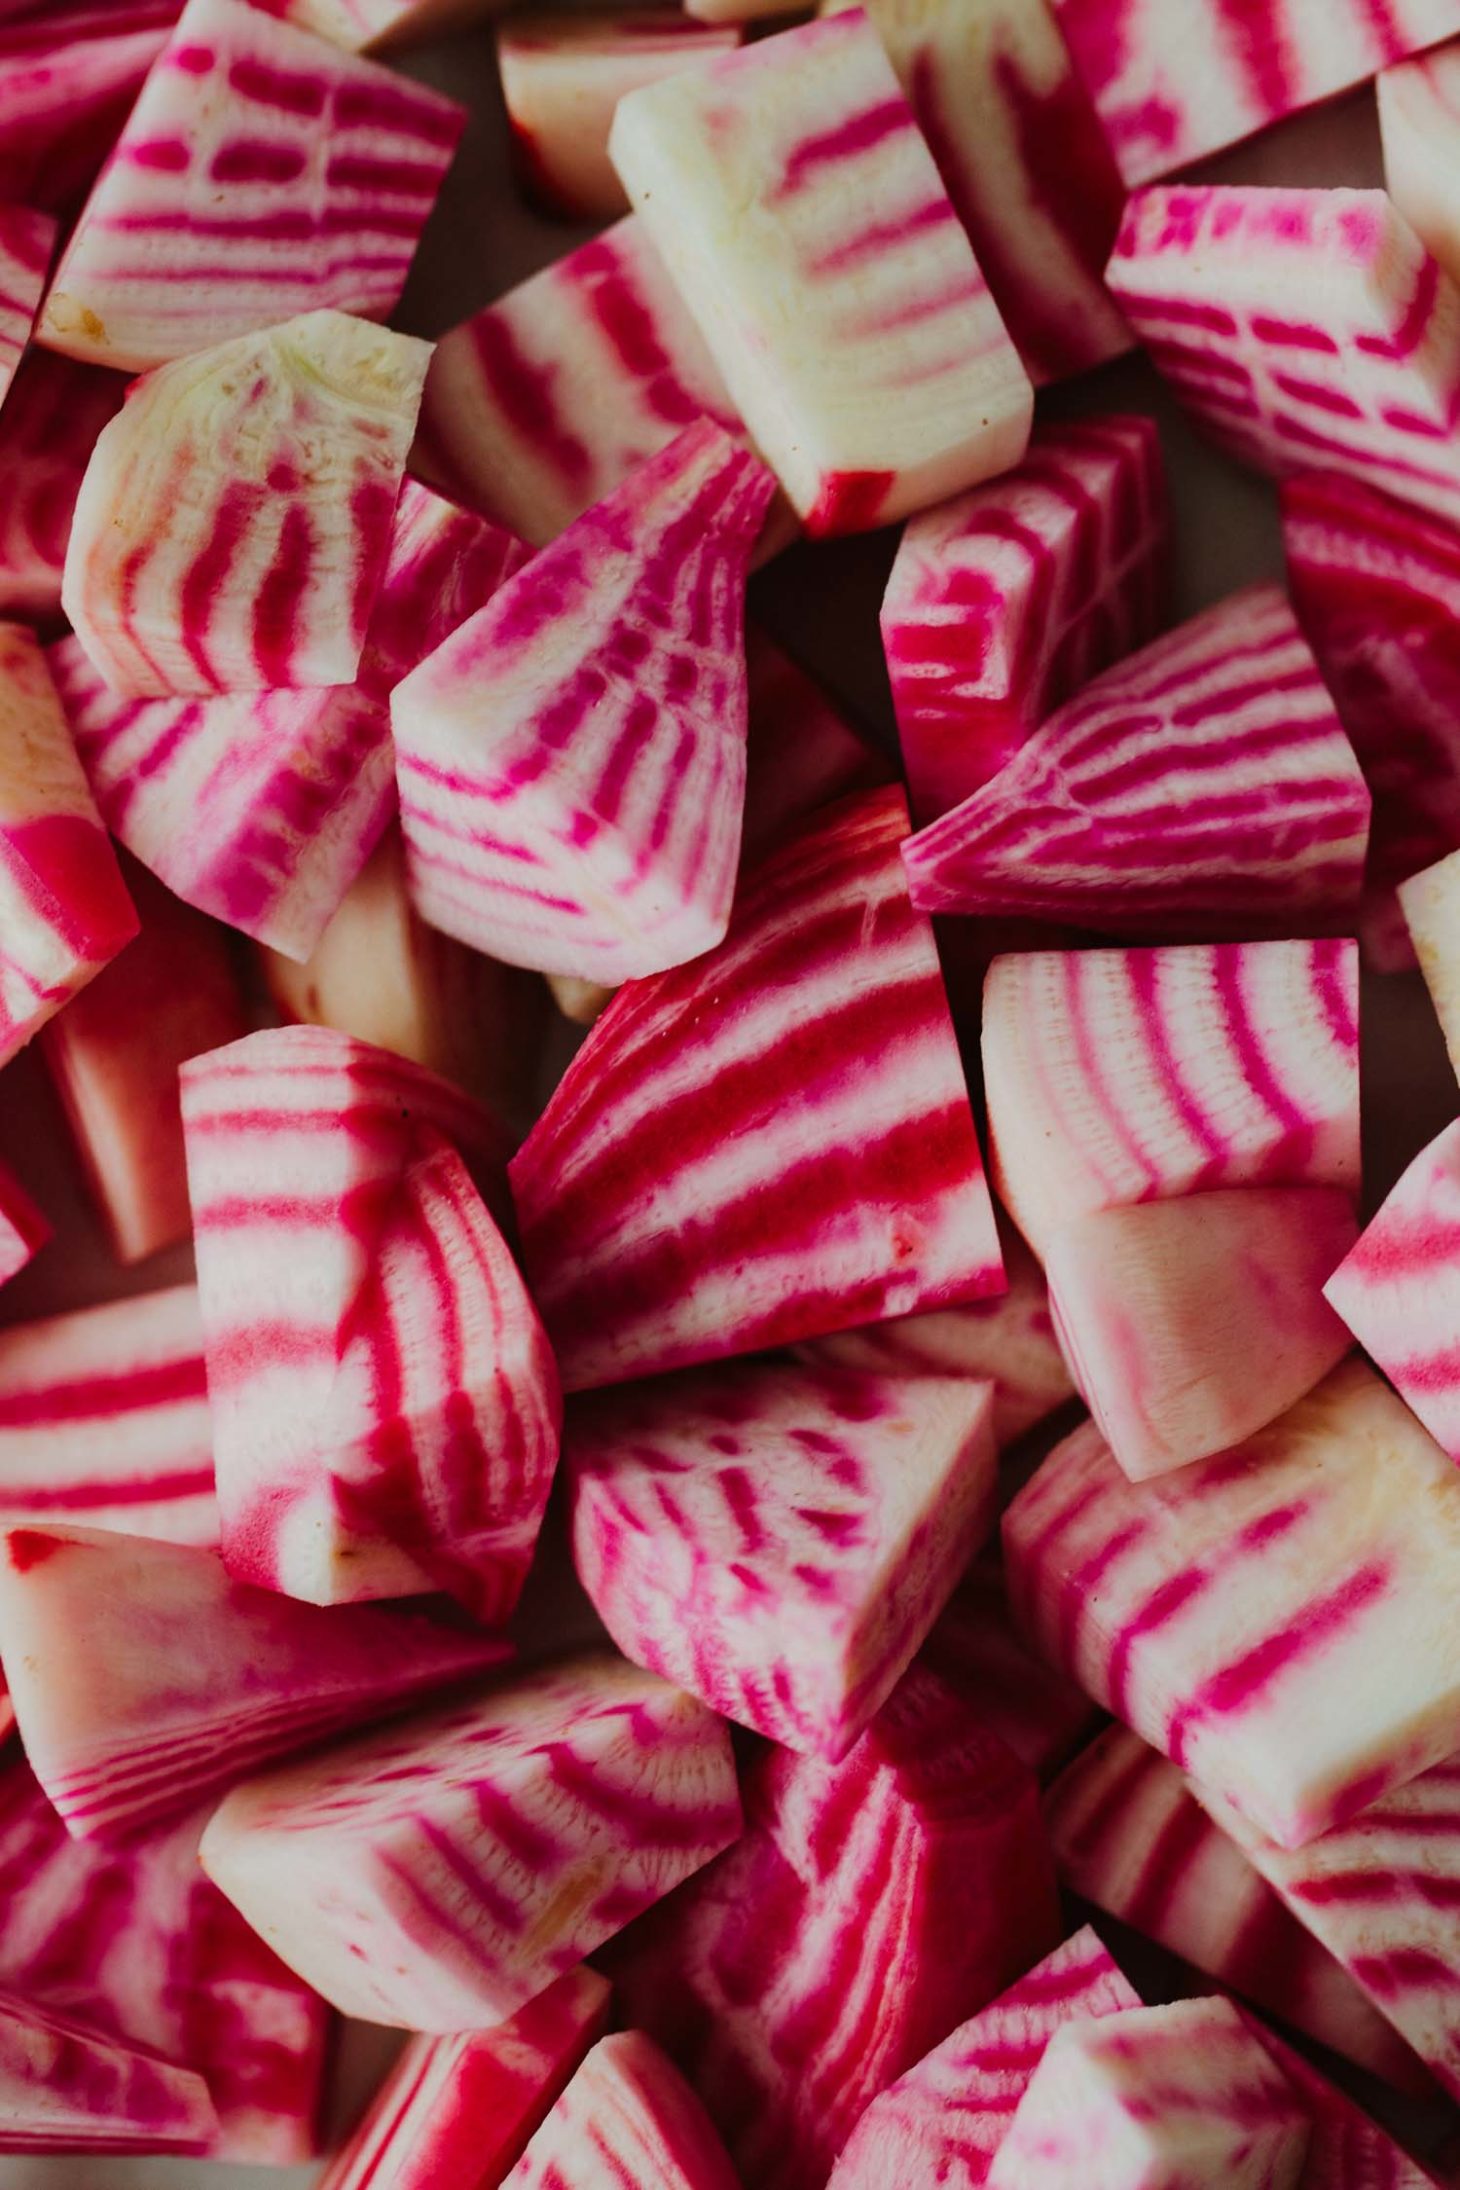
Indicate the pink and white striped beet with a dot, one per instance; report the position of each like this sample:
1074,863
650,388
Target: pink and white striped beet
23,1229
855,1877
1124,1076
1301,327
48,428
1151,2096
1003,602
369,26
571,761
1172,85
260,175
146,1681
543,404
1430,902
104,1419
67,2088
437,1874
69,73
1025,163
233,526
1260,1618
945,2118
27,240
779,1540
1204,784
805,1163
1346,2149
1191,1324
975,1649
64,910
1419,103
628,2115
804,222
1131,1839
456,2113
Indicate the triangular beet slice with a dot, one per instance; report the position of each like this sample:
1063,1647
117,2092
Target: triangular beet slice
67,2088
630,2117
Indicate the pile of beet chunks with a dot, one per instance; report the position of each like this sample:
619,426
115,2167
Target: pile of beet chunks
782,1656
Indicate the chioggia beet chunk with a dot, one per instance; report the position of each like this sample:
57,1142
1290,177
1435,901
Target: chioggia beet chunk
182,244
805,1163
1300,327
627,2113
136,1942
1398,1289
368,26
544,403
23,1229
1006,600
48,428
1151,2097
944,2120
113,1056
801,215
1203,784
27,239
571,761
1025,163
1221,1611
1419,104
778,1540
68,76
235,518
456,2113
145,1680
1131,1839
1430,903
438,1874
1172,84
1189,1325
1346,2149
64,910
975,1649
810,1966
104,1419
67,2088
562,77
1123,1076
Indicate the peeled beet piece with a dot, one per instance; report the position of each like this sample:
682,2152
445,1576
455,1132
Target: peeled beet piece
68,75
372,25
456,2113
1191,1324
1261,1618
1418,102
976,1650
235,518
572,759
1203,785
770,1143
64,911
145,1680
779,1539
945,2118
67,2088
48,429
1006,600
1430,902
627,2113
23,1229
261,174
27,239
439,1873
799,211
1123,1076
810,1966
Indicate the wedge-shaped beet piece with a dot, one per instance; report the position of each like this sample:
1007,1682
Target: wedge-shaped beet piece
1398,1289
1431,905
48,428
779,1540
809,1967
262,173
544,403
808,1162
572,760
145,1680
68,75
944,2120
385,1406
67,2088
1189,1325
1220,1611
1155,2096
1419,101
1127,1076
798,208
104,1419
1006,600
989,83
1346,2149
234,522
1205,783
456,2113
368,26
1130,1838
628,2114
976,1650
438,1874
27,239
1300,327
1172,86
23,1229
113,1057
64,911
